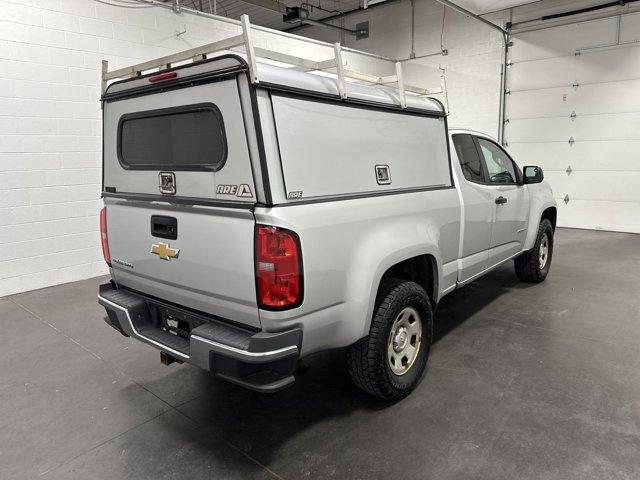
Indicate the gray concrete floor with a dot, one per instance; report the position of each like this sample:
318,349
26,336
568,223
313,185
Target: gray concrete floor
524,381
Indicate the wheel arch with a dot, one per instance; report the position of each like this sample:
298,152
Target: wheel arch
543,206
551,214
422,268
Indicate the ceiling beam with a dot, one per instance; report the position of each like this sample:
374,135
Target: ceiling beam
331,26
273,5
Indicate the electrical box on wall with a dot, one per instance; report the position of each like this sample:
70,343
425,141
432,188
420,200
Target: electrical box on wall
362,30
295,15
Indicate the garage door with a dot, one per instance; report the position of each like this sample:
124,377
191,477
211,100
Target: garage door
574,109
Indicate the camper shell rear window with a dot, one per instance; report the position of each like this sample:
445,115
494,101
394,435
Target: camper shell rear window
189,137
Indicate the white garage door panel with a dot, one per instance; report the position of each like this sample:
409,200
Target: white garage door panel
594,215
611,186
609,97
610,65
630,28
562,41
607,155
602,87
538,154
532,75
614,126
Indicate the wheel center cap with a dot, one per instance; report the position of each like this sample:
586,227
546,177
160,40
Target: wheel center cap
400,339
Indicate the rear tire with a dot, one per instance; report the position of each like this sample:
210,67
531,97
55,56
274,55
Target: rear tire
533,265
390,362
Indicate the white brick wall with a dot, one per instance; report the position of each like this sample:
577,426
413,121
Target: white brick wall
50,124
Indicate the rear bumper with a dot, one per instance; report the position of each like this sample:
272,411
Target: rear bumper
260,361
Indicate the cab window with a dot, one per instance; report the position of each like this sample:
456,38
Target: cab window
500,167
468,156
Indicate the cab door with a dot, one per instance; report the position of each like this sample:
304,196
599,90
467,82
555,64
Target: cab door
510,201
476,199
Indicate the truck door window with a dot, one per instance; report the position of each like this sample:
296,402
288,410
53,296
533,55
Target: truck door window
499,166
189,137
469,158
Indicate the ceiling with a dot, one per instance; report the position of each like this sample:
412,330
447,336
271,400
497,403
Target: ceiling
318,9
485,6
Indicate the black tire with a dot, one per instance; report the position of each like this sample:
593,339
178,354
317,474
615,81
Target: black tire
528,264
367,359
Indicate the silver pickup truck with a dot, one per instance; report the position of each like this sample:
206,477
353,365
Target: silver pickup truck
247,225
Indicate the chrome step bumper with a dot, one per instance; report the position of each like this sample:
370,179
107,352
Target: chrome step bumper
260,361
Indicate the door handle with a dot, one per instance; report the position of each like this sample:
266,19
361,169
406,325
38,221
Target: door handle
500,200
164,227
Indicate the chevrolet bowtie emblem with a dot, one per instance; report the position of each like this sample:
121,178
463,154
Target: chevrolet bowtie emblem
164,251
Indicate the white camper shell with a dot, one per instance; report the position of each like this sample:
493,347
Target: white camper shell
285,135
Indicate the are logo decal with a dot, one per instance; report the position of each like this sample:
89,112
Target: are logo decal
242,190
296,194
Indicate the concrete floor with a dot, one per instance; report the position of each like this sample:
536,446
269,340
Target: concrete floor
525,381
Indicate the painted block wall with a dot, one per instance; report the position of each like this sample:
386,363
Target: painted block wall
50,123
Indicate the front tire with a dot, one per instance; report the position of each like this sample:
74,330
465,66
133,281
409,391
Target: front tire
390,362
533,266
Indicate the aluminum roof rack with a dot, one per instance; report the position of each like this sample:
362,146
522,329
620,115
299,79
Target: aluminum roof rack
252,53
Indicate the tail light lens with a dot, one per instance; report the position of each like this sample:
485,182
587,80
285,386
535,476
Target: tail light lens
161,77
103,236
278,268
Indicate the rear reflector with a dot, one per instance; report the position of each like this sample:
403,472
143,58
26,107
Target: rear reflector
163,76
103,236
278,268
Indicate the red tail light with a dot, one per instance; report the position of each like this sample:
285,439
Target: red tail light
278,268
103,236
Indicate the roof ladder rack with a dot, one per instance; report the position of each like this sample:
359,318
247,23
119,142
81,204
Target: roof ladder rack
244,40
342,85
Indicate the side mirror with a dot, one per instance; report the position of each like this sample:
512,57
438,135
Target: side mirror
532,174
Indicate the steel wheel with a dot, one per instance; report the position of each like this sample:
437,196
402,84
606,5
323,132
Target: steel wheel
544,251
391,361
404,341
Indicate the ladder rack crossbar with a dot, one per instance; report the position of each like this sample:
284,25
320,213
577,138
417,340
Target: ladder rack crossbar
135,70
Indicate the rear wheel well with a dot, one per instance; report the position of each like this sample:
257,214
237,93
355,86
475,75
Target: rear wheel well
550,214
421,270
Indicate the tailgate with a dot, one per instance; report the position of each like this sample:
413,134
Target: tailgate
208,267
